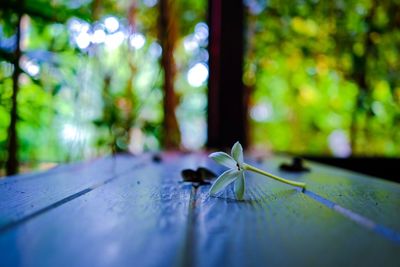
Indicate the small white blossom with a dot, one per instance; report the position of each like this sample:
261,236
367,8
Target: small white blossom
234,174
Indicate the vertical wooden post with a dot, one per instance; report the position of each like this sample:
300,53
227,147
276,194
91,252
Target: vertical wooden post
227,111
168,29
12,164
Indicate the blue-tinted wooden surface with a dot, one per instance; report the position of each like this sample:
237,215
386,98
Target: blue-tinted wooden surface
28,194
132,211
374,198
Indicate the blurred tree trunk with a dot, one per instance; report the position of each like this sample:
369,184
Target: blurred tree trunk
12,164
96,9
130,98
167,30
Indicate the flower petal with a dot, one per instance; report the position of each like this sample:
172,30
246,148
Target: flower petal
223,159
237,153
240,186
224,180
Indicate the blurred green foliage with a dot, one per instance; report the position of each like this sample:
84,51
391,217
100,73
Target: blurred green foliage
324,76
91,81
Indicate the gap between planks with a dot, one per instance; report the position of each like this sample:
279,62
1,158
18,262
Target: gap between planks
188,257
62,201
189,244
359,219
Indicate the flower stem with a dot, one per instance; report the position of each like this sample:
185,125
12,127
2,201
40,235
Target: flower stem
283,180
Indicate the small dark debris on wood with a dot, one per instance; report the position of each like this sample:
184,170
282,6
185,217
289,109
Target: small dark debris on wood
157,158
201,176
259,160
297,165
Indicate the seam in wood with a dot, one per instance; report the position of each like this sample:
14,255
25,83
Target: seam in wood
28,217
188,250
355,217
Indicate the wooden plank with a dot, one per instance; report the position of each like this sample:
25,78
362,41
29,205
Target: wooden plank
374,198
147,217
31,195
43,173
138,219
279,226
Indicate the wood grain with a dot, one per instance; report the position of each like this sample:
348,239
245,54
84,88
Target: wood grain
20,197
139,219
374,198
143,215
279,226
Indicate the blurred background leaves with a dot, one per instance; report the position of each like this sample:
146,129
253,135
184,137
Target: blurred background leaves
323,77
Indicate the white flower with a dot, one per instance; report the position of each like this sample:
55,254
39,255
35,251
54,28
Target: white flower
234,174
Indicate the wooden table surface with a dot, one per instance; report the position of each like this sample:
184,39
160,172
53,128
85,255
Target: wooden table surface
134,211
